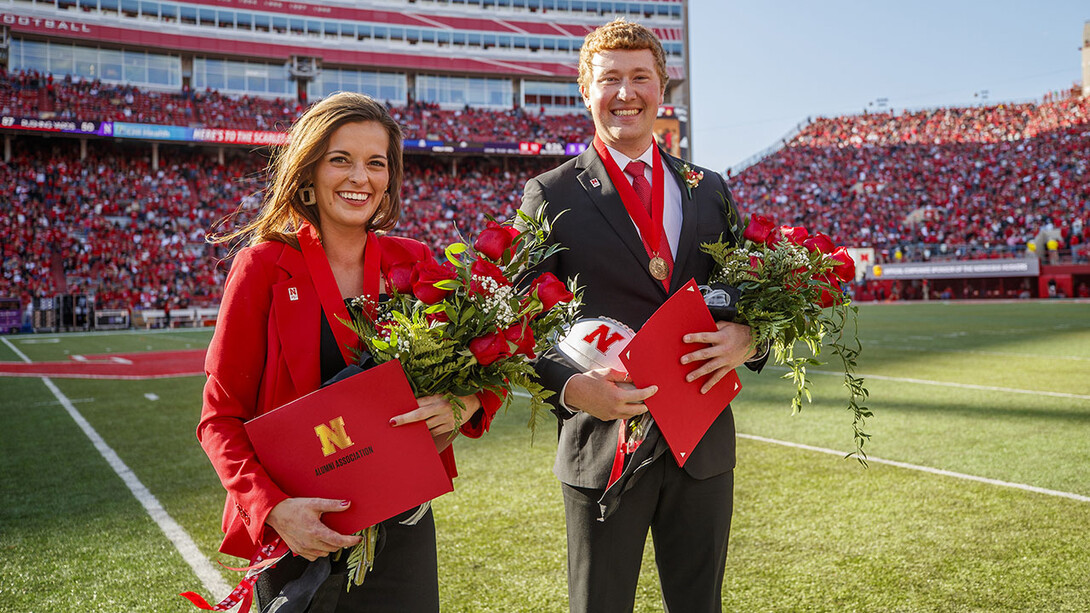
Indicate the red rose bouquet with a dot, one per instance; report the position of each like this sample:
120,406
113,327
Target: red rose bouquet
787,285
463,325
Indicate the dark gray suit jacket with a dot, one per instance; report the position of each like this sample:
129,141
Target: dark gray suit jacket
603,250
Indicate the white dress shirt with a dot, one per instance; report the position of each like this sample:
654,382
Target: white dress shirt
671,194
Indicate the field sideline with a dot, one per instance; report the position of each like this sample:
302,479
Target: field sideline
977,500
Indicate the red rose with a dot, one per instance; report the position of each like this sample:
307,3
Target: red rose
395,253
493,241
820,243
513,231
439,317
400,277
794,234
523,337
489,348
426,274
550,291
845,268
755,265
481,270
760,227
828,298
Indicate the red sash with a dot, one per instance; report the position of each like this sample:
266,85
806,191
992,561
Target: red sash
650,227
330,295
651,230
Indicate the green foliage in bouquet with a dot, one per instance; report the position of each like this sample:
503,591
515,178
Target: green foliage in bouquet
463,325
789,284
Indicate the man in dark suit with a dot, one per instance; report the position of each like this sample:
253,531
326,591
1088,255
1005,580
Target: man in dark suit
632,224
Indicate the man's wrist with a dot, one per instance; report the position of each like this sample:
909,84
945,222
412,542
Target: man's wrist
564,391
761,353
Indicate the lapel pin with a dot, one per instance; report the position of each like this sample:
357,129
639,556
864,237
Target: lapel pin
594,182
293,294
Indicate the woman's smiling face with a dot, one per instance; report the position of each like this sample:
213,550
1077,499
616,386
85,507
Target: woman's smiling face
351,178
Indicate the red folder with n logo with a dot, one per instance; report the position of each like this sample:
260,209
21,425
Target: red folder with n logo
337,442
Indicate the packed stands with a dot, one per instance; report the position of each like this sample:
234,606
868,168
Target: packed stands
963,183
24,94
135,237
112,226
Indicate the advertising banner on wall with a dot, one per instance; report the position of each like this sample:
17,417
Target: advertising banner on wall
976,269
227,136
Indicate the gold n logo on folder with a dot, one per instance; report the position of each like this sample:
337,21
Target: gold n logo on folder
333,436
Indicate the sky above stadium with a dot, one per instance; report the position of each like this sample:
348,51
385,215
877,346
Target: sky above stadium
760,68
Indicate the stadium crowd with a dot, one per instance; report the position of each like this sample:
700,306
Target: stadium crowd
112,226
40,96
947,183
135,237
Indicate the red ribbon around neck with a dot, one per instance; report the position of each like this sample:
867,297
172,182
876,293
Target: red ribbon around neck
650,226
330,295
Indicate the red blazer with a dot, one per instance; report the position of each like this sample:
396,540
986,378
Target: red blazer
264,354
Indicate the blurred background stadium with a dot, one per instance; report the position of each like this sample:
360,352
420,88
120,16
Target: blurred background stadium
131,126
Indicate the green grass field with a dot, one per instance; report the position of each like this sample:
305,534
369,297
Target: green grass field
998,391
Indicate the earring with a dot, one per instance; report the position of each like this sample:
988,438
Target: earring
307,196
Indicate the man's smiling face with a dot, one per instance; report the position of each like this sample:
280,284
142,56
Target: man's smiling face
623,96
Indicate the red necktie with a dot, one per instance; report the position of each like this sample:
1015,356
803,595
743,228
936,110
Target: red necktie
639,183
643,192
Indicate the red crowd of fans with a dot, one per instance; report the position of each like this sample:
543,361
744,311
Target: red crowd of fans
430,122
948,183
112,226
991,124
969,182
30,94
134,237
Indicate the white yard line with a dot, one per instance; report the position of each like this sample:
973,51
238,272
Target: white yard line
20,354
967,386
202,567
917,467
54,337
1006,354
926,469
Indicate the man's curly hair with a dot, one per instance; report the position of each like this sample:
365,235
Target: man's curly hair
620,35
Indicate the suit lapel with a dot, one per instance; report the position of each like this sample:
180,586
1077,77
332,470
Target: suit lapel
598,186
687,241
297,317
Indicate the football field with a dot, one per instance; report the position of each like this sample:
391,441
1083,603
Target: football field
976,498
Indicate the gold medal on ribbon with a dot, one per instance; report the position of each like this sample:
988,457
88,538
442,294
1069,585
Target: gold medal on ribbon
659,269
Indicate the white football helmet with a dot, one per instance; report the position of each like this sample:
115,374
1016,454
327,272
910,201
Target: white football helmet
595,342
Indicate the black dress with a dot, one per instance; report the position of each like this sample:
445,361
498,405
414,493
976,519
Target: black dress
405,576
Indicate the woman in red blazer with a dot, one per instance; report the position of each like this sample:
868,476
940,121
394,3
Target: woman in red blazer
279,336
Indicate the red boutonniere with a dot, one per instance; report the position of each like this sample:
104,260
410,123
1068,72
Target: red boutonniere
690,177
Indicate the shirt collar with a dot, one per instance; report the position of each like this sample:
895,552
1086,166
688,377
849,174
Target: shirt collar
622,160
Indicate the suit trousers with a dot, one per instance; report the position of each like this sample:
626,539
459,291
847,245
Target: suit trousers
689,520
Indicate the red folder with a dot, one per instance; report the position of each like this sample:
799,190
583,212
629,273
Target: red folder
653,357
337,442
